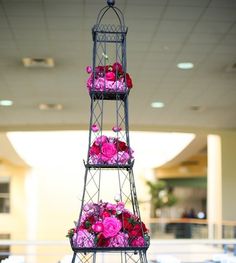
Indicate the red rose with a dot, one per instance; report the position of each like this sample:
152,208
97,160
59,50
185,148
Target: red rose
117,67
127,225
121,146
102,241
94,149
105,214
128,81
138,230
125,215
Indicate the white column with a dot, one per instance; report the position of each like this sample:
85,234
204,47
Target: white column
214,187
31,216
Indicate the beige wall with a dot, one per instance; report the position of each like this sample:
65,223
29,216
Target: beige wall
15,222
58,193
228,175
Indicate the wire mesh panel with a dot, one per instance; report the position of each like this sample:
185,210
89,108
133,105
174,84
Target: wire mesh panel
109,219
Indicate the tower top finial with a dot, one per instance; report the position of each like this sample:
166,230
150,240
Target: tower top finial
111,2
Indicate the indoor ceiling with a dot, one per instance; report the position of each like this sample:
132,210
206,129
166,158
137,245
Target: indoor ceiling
161,34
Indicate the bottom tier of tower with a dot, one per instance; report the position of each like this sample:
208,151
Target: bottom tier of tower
110,257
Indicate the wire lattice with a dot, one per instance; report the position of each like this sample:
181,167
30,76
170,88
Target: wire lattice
104,180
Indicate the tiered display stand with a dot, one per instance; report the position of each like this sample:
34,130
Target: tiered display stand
109,44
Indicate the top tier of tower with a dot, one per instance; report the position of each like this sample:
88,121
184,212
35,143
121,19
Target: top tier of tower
108,78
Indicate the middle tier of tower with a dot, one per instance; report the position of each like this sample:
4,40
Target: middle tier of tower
109,148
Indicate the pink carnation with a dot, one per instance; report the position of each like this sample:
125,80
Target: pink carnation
111,226
120,240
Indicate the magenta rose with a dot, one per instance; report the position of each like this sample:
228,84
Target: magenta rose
110,76
97,227
108,150
111,226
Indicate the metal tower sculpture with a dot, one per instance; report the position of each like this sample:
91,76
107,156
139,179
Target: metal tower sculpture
109,219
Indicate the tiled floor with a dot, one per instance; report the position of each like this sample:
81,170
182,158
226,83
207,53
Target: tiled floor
186,253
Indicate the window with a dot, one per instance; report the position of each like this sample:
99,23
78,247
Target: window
4,194
4,249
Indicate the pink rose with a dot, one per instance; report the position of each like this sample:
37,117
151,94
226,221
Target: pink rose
138,242
116,128
111,226
89,69
110,76
108,150
95,128
97,227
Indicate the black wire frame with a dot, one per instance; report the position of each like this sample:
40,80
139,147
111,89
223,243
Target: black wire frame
109,42
127,256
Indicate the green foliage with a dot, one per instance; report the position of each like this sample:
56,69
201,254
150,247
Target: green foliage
161,195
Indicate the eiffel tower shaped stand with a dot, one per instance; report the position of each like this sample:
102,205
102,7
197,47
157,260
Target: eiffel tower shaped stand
109,224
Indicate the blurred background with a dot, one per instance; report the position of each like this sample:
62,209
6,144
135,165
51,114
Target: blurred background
181,56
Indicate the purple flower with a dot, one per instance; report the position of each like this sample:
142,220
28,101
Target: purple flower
120,240
101,140
120,207
83,239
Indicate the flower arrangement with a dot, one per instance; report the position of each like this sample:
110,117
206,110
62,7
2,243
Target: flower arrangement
111,78
108,225
109,150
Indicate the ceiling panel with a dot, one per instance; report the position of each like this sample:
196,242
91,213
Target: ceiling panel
161,34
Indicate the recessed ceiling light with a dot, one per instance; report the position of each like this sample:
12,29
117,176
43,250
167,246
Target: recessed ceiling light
6,103
38,62
157,104
197,108
50,106
185,65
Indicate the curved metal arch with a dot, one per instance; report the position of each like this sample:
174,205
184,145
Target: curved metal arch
116,10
